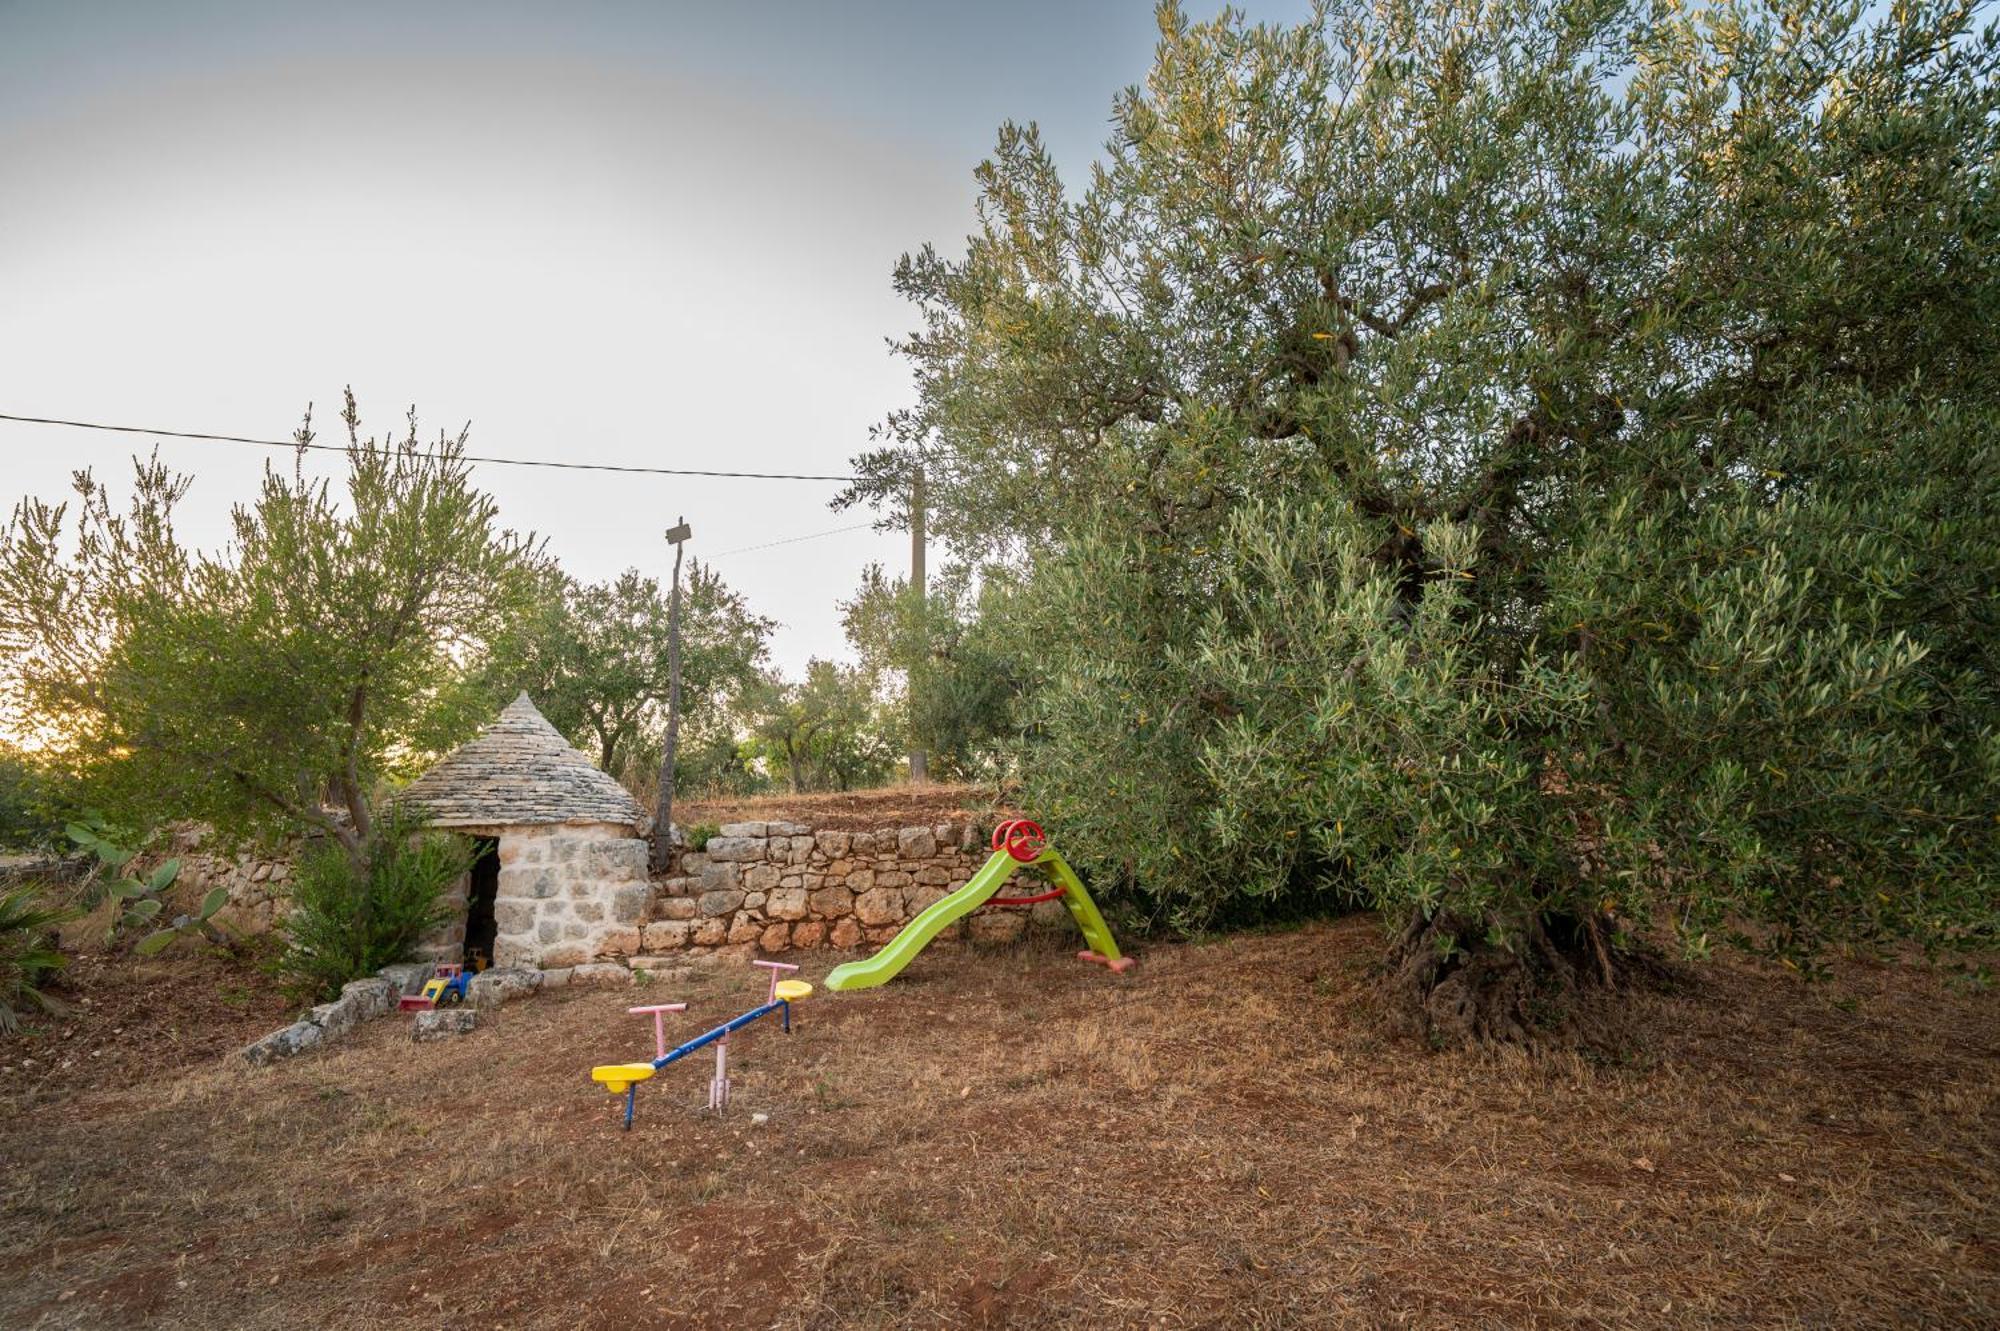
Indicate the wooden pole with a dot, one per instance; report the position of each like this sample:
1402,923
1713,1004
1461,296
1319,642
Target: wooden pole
663,813
920,764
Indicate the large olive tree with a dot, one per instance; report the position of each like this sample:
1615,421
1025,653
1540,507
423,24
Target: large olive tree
1526,466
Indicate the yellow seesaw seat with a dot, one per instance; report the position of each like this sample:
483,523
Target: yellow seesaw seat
793,990
618,1077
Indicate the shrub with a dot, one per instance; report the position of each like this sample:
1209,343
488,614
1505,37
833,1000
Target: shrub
351,919
28,954
698,835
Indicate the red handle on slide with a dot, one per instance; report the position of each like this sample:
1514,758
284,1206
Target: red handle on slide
1021,838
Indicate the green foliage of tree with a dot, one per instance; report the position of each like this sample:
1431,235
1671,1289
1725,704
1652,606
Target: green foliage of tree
947,665
1530,467
349,919
824,732
594,658
29,808
268,686
29,955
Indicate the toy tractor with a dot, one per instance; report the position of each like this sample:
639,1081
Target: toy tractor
445,988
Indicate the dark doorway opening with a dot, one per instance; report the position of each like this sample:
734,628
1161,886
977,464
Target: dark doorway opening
479,927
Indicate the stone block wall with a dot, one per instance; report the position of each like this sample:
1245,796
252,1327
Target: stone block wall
779,886
568,894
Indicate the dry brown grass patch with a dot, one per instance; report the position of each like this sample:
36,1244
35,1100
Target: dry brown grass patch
1219,1138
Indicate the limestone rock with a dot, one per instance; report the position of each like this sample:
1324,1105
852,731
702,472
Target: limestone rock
490,988
666,935
879,905
628,904
916,843
737,832
846,933
444,1022
775,938
761,877
600,975
710,932
808,933
787,903
997,927
735,849
720,903
285,1042
832,901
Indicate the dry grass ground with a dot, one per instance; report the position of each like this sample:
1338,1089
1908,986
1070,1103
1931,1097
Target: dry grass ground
1013,1139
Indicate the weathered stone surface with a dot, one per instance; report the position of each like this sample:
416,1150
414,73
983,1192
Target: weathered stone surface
284,1043
832,901
880,934
892,878
564,954
802,849
513,917
677,908
406,977
809,933
336,1018
861,880
492,987
443,1023
861,843
879,905
732,849
721,877
744,930
620,942
720,903
753,901
787,903
787,829
592,911
846,933
628,903
775,938
737,832
761,877
666,935
600,975
710,932
934,875
916,843
370,998
557,978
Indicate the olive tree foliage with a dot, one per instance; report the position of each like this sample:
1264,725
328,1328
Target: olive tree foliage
826,731
946,664
594,657
268,686
1527,466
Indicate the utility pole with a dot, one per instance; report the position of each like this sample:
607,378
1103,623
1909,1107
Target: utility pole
920,763
663,814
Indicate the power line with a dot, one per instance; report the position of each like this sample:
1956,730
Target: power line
793,540
426,453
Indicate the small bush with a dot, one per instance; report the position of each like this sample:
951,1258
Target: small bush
698,835
348,922
28,955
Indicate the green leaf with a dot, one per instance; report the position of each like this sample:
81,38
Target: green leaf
163,877
216,899
142,912
127,887
154,943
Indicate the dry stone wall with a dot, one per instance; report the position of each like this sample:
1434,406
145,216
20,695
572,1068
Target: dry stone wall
779,886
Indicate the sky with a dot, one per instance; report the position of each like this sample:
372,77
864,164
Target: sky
650,234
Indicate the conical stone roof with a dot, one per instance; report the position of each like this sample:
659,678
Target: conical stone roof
520,770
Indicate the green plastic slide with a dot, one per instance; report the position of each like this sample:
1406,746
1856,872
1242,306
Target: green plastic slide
992,876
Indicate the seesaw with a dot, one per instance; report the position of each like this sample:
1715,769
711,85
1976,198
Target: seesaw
624,1078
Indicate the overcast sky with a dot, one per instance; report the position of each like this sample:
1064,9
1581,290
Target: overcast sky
636,233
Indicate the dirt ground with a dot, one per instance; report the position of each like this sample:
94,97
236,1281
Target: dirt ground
1218,1138
853,810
